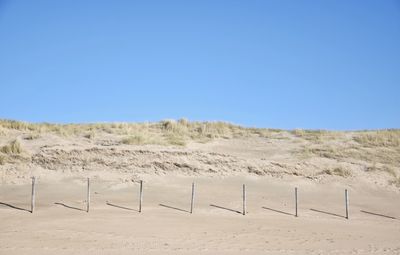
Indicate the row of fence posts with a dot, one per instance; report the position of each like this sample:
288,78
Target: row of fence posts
346,195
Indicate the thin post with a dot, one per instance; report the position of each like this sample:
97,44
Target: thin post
88,195
295,200
140,196
33,194
244,199
346,197
192,201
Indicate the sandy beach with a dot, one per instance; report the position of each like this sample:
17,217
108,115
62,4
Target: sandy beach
200,127
60,223
271,166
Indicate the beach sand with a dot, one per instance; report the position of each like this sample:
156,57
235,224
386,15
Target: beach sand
61,225
270,163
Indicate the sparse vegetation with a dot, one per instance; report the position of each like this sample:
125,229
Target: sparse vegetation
379,150
382,168
342,151
137,140
31,136
13,148
395,182
339,171
381,138
315,136
163,132
2,159
182,131
176,140
324,152
90,135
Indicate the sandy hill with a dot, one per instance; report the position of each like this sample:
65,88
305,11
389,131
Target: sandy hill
129,150
219,157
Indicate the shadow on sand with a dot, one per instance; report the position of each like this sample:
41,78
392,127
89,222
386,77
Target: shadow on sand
274,210
329,213
121,207
174,208
378,214
70,207
227,209
14,207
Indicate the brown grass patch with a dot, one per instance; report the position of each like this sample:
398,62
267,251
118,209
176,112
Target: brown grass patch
380,138
338,171
2,159
315,136
13,148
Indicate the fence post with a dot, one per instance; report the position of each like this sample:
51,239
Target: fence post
192,201
295,198
244,199
88,195
33,194
346,197
140,196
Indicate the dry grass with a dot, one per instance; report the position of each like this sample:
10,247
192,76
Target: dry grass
13,148
338,171
381,168
18,125
2,132
31,136
2,159
176,140
137,139
166,132
316,136
323,152
91,135
182,131
395,182
380,138
344,152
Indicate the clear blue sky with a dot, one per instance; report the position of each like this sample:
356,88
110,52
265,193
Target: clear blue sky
279,64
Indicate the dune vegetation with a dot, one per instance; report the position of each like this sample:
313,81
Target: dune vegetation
166,132
309,153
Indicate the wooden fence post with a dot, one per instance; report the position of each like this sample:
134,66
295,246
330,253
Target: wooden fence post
140,196
33,194
295,199
88,195
192,201
346,197
244,199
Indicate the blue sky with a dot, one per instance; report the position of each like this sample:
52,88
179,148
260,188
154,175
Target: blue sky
278,64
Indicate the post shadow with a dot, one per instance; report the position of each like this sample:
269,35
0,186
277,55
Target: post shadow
278,211
15,207
174,208
329,213
378,214
69,207
121,207
225,208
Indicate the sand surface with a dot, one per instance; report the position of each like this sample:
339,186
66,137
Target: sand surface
270,163
60,224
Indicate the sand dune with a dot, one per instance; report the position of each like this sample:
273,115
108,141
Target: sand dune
271,163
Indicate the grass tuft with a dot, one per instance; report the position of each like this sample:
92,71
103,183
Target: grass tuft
91,135
395,182
2,159
338,171
13,148
31,136
134,140
316,136
381,138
